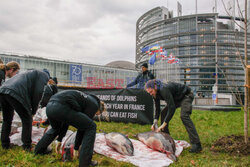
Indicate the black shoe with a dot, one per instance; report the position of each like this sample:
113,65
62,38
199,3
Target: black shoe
27,148
6,147
93,163
48,151
196,148
9,146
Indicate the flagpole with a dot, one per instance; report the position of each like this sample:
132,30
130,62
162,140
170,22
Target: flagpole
195,6
216,62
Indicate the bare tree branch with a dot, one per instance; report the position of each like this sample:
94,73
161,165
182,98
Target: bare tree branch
235,92
238,51
239,25
231,16
239,9
241,59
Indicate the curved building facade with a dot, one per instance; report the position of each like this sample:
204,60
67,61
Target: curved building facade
199,41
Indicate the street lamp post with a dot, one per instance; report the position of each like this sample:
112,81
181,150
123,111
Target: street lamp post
216,62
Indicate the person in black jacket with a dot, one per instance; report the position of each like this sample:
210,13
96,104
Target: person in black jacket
176,95
8,70
142,78
72,107
49,90
23,93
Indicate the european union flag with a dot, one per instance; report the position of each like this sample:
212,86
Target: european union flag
145,49
152,59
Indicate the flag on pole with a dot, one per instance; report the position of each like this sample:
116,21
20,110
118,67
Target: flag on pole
152,59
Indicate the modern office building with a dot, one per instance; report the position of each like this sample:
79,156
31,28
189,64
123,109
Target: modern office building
208,46
77,74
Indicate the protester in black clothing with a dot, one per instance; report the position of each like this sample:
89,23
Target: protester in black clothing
142,78
49,90
55,80
21,93
176,95
54,87
72,107
8,70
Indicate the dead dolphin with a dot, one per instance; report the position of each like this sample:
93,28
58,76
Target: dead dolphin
160,141
120,143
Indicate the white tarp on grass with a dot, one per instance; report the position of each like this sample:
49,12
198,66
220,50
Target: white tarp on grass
143,155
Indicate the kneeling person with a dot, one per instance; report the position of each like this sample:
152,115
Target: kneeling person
72,107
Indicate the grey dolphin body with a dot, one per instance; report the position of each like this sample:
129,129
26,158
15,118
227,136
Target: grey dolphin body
159,141
120,143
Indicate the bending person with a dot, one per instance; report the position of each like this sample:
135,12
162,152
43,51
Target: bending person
72,107
49,90
176,95
8,70
23,93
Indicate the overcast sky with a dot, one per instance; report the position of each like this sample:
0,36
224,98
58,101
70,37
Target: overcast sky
86,31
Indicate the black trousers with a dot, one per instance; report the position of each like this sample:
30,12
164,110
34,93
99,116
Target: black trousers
60,116
9,104
186,111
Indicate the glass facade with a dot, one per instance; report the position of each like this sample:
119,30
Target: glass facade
199,41
76,74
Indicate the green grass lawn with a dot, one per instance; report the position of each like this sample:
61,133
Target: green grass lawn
210,126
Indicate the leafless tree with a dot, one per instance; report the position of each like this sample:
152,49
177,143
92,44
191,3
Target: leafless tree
244,63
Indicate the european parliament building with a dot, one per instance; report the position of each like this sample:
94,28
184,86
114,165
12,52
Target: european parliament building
76,74
209,47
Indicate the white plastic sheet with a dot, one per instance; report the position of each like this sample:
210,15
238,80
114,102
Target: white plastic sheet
37,134
143,156
40,115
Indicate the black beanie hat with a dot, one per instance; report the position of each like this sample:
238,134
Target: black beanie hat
144,65
55,79
46,71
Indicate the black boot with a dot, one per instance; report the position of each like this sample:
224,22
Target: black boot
196,148
8,146
27,148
